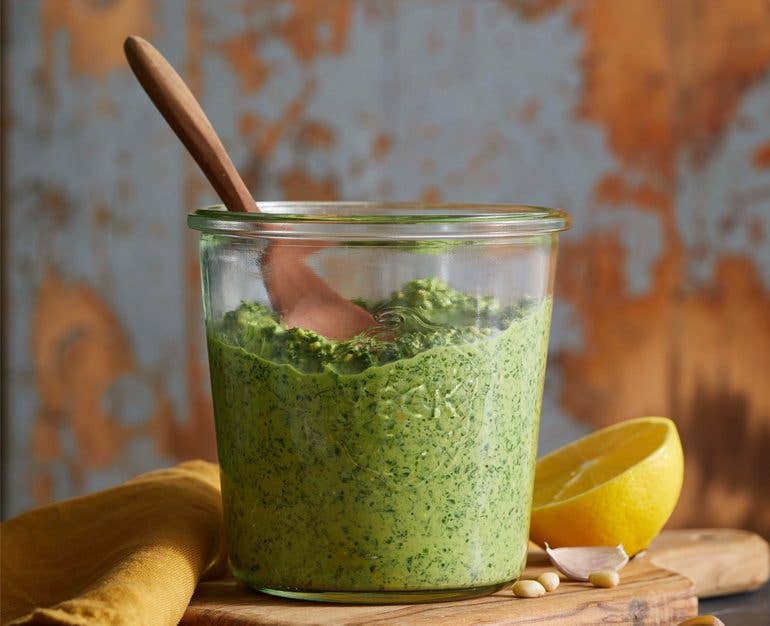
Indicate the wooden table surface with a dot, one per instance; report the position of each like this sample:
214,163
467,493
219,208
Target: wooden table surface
659,586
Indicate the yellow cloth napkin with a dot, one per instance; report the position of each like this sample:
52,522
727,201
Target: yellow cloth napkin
128,555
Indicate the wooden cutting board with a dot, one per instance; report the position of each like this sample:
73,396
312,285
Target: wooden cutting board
660,586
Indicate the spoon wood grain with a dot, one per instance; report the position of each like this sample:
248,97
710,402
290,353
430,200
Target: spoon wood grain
301,297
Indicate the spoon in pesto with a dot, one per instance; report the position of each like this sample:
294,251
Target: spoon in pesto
301,297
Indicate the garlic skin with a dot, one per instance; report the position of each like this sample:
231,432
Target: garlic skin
578,563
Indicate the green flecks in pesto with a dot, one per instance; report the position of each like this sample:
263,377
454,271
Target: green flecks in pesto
384,463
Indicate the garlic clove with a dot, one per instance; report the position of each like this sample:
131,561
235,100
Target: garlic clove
578,563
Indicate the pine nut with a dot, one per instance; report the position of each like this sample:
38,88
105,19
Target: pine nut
528,589
604,578
549,580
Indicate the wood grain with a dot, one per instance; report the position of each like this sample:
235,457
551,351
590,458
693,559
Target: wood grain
718,561
647,595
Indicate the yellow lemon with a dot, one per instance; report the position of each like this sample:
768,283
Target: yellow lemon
616,485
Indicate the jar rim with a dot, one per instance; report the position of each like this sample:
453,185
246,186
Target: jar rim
434,220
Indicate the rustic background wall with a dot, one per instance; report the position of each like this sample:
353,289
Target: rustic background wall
647,119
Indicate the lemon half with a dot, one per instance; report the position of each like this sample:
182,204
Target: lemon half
616,485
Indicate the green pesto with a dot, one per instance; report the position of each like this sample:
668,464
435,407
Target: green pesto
398,461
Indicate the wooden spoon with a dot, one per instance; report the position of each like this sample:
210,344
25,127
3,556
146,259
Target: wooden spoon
300,296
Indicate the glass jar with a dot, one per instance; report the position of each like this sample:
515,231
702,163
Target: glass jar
396,465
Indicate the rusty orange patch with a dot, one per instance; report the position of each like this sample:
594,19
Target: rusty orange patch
297,184
760,158
79,350
532,9
250,123
315,134
269,134
613,189
430,194
242,54
275,131
381,146
529,111
316,27
96,32
673,94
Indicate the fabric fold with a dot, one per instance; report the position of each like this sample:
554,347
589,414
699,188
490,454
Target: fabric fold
132,554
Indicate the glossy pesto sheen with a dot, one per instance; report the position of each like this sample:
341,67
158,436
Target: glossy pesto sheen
399,461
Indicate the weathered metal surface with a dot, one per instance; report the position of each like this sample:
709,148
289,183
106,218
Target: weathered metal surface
647,120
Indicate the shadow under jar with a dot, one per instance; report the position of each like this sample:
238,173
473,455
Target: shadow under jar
396,466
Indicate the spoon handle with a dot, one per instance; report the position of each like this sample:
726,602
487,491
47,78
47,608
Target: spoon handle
177,104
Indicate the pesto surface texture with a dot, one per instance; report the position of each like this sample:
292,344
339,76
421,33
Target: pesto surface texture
399,460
